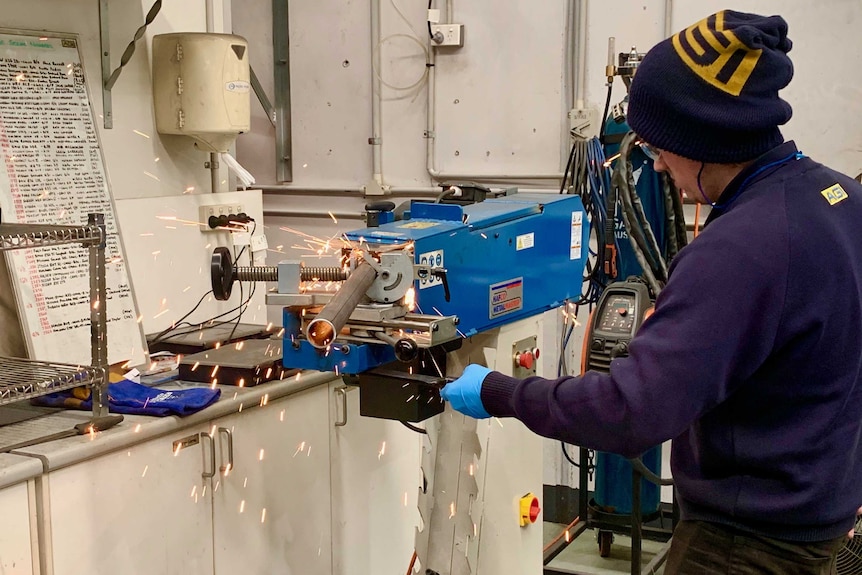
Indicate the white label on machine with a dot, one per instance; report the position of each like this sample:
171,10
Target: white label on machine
432,260
237,86
506,297
525,241
577,234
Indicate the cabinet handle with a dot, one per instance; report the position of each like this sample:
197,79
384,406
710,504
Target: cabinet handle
212,471
229,434
341,392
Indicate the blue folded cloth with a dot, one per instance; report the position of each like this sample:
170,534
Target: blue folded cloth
135,399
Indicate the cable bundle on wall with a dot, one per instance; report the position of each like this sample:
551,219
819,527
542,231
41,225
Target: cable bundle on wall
587,176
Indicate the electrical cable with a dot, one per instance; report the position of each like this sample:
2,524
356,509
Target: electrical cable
567,456
651,246
406,21
604,117
642,240
197,326
413,428
174,325
415,85
430,35
236,259
647,474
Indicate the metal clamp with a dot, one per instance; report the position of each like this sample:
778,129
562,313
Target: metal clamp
229,434
212,471
341,391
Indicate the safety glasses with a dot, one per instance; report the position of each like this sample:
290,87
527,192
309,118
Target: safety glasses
650,151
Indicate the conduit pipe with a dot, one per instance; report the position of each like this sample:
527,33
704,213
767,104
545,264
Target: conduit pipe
376,140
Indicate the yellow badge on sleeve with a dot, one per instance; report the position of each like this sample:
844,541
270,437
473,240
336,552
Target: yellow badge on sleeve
834,194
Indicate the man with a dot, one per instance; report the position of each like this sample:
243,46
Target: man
752,361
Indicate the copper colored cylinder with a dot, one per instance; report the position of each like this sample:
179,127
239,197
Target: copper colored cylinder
323,329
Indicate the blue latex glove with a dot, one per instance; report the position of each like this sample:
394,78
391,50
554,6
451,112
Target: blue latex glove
465,393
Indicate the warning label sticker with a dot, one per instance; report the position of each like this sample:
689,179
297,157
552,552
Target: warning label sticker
506,297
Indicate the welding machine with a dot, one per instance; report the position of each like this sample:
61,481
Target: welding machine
619,314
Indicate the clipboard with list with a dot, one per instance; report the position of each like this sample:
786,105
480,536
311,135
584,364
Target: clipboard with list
52,172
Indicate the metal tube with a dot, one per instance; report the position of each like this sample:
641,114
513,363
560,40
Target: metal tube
376,139
580,71
323,329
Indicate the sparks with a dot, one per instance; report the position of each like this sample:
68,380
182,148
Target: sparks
410,299
264,400
143,135
281,415
568,536
145,470
260,456
263,515
333,217
382,451
195,366
137,430
451,510
242,506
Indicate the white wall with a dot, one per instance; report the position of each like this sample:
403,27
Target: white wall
501,100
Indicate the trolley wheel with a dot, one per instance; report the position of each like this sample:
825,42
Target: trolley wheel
605,539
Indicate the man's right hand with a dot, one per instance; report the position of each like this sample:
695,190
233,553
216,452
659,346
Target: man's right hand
465,393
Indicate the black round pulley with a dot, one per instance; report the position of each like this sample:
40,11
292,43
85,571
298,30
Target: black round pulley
221,273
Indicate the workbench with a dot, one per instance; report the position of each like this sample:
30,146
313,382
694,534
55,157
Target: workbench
284,477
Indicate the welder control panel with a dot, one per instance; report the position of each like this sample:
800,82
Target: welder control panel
618,315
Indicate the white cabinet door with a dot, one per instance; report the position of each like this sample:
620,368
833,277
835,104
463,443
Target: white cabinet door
16,550
271,510
140,511
375,484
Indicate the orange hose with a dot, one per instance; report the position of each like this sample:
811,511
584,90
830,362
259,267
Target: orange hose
562,533
412,563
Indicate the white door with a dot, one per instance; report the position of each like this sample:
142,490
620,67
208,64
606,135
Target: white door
271,508
143,510
375,484
16,557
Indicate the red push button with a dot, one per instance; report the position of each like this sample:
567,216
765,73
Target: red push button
529,509
525,360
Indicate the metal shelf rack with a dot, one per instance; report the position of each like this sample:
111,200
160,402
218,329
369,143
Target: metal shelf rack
24,378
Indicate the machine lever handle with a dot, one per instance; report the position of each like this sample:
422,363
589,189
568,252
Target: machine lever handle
441,273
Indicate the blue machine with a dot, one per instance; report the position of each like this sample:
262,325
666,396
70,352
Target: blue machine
485,264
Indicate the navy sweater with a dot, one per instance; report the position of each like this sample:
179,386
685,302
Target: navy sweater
752,362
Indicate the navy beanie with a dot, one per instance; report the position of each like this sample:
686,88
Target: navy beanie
710,92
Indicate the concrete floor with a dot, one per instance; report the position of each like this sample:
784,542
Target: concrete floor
582,557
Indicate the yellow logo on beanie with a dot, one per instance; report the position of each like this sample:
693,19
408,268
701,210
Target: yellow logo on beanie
834,194
716,54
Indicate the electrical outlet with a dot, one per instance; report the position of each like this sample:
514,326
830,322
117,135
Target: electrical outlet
447,35
584,124
216,210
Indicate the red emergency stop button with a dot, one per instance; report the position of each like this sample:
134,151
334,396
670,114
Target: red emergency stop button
529,509
525,360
